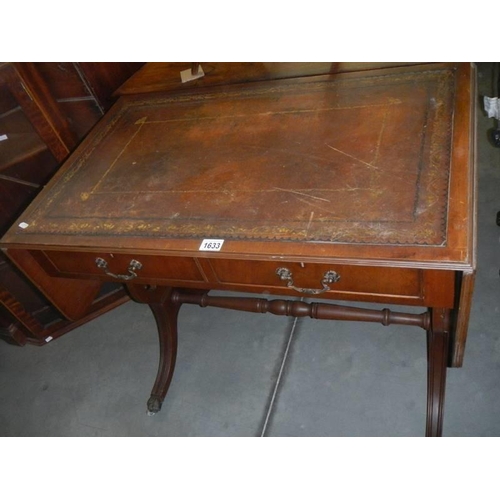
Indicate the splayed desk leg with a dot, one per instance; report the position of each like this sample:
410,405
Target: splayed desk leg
165,313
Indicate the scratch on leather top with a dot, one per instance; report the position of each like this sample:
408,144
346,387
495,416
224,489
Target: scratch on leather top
357,160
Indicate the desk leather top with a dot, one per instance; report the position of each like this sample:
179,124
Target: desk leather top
368,165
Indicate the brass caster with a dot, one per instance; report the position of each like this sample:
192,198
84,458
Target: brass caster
154,405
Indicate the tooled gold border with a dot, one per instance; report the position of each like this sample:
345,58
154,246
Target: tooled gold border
436,184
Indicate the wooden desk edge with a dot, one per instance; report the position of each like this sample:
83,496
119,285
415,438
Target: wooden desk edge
464,299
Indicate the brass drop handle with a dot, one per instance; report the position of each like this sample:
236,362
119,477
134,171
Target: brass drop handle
328,278
134,265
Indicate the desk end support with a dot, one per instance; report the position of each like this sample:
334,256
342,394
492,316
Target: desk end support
438,340
165,303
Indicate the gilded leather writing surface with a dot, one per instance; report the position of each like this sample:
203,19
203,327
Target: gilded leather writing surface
353,159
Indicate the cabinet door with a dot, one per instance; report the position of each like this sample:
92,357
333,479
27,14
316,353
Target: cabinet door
33,142
36,137
30,153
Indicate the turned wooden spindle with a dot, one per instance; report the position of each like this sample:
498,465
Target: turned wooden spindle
297,308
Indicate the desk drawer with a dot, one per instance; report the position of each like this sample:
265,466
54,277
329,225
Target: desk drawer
149,268
356,280
433,288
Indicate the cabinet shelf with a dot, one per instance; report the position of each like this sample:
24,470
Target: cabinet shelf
22,141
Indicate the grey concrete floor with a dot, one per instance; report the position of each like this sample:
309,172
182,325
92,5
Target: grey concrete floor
241,374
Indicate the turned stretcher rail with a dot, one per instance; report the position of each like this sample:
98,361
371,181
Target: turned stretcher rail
297,308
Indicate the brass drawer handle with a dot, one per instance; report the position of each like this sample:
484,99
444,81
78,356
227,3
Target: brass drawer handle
134,265
328,278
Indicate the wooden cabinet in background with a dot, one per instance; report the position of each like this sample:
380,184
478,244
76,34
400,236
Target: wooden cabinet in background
45,110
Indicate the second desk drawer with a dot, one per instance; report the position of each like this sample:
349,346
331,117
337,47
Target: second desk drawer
387,281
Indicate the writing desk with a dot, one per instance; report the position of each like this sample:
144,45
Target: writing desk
358,186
